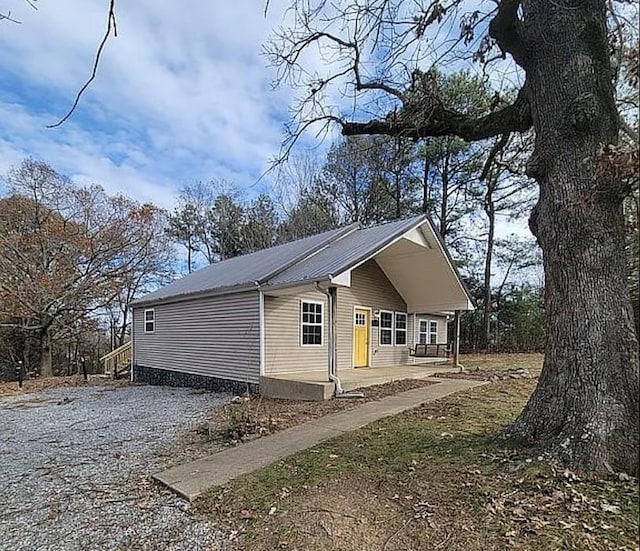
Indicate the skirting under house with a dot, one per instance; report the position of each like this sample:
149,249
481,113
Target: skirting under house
164,377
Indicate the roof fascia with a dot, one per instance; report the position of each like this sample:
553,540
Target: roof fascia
293,284
229,290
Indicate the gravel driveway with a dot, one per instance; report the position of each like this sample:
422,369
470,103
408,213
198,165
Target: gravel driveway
75,466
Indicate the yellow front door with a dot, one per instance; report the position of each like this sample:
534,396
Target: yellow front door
361,338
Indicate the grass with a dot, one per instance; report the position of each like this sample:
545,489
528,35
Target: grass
437,477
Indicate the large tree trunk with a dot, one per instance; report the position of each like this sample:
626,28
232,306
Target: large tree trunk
46,369
585,407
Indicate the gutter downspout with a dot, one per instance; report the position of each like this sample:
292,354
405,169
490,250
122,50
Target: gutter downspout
262,336
332,351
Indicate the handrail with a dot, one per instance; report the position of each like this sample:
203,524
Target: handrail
126,346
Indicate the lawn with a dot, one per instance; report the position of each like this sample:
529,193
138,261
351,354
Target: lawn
437,477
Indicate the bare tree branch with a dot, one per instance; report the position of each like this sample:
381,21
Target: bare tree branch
515,117
111,28
7,17
497,148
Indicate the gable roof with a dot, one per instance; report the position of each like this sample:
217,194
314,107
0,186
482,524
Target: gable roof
342,254
315,258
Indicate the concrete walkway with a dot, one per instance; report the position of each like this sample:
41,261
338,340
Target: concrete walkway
192,479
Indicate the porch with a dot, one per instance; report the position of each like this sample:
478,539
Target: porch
315,385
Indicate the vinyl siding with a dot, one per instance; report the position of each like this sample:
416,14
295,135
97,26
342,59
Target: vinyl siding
370,288
442,326
213,336
283,350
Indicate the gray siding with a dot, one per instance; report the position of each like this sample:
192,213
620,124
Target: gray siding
370,288
212,336
283,350
442,326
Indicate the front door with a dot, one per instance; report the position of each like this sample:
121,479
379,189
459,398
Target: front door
361,338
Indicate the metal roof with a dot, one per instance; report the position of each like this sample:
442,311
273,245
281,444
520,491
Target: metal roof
343,253
315,258
244,271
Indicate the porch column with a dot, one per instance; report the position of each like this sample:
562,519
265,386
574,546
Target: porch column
456,340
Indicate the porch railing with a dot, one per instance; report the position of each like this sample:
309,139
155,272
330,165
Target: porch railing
117,360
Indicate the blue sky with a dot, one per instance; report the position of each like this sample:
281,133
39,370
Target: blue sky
182,94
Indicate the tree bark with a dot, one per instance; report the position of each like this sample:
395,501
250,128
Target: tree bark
426,192
46,369
585,407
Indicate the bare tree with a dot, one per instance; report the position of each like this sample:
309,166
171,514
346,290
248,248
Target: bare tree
64,252
508,192
151,267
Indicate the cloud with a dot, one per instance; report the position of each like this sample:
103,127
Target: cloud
182,94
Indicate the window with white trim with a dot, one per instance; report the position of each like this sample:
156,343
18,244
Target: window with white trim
311,323
401,328
386,328
433,332
423,331
150,321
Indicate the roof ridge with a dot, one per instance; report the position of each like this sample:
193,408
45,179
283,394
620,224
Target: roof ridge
309,253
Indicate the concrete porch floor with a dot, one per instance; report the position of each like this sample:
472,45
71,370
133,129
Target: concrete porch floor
350,378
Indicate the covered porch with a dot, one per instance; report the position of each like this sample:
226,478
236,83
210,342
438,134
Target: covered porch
316,386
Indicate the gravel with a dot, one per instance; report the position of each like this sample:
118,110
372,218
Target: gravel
76,466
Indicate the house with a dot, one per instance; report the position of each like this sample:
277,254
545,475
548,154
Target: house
345,299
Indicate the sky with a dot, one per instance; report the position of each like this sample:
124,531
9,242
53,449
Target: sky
182,94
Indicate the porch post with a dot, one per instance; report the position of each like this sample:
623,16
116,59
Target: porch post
456,340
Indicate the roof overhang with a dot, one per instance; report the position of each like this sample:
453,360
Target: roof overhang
421,270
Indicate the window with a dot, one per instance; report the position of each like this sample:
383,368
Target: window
150,321
428,332
361,318
311,324
386,328
401,328
433,332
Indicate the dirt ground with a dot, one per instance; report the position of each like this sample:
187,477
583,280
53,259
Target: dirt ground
251,417
254,416
44,383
